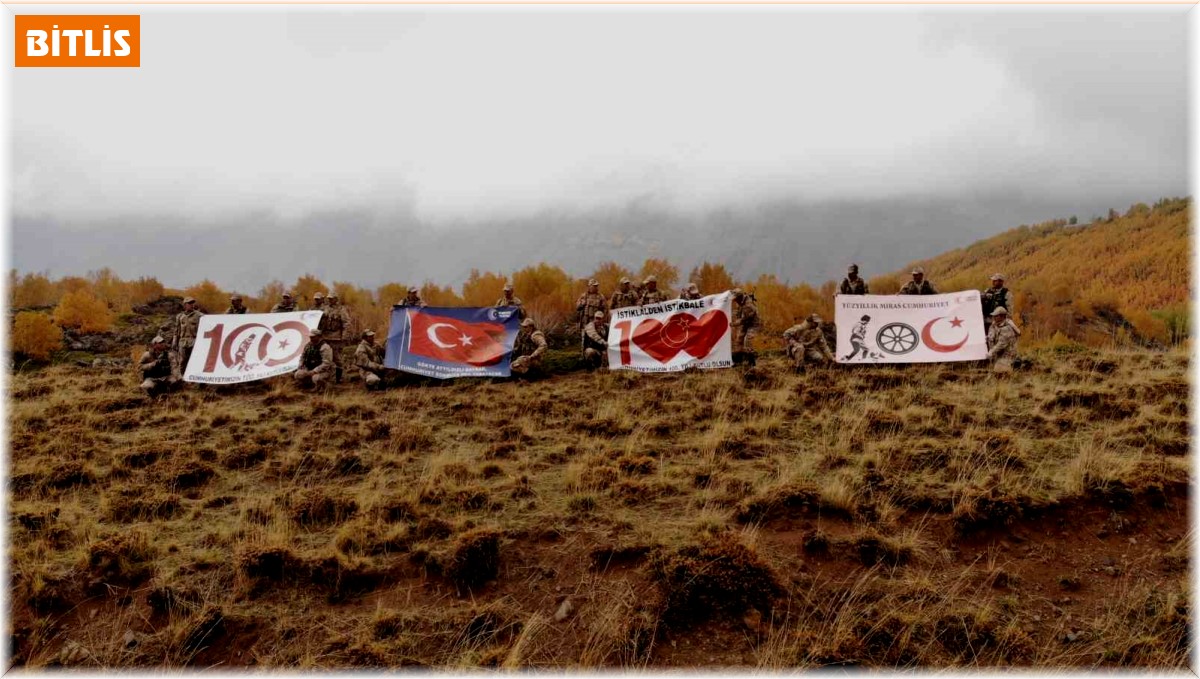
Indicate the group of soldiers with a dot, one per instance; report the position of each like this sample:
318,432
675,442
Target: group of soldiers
321,362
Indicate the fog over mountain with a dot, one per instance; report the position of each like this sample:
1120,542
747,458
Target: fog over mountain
404,144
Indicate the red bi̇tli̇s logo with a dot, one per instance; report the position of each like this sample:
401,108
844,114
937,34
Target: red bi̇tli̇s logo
448,339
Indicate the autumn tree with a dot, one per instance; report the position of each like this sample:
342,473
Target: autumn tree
435,295
268,296
32,290
35,336
548,294
305,287
390,294
212,299
666,273
84,312
483,289
609,275
711,278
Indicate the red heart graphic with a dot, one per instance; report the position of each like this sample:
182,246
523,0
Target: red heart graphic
682,332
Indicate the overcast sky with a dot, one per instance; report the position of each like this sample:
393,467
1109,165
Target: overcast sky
465,114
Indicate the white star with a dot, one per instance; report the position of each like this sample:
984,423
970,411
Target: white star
465,340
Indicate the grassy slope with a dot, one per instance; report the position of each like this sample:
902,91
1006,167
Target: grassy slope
876,516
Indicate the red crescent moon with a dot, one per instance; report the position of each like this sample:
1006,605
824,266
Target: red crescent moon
927,339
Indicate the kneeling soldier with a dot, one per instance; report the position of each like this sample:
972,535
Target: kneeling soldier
159,367
316,363
1002,341
369,362
595,341
527,348
806,343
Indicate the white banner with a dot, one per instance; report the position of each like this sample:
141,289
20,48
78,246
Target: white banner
671,336
246,347
910,328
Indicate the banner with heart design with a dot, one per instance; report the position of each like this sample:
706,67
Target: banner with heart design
672,336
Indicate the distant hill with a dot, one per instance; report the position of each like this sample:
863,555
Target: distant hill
1127,272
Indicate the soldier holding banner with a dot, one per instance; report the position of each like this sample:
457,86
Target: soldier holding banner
994,297
588,304
691,292
412,299
528,348
511,300
235,305
625,296
595,341
187,323
651,294
286,304
852,284
918,285
806,343
745,323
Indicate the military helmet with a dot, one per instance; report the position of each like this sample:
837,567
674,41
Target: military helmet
814,318
189,300
918,270
651,279
508,287
527,323
158,339
319,296
624,280
368,333
315,332
592,282
286,294
738,292
852,267
412,289
692,287
997,276
235,298
1000,311
598,314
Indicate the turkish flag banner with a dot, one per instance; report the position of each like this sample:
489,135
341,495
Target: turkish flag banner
236,348
447,342
673,335
910,328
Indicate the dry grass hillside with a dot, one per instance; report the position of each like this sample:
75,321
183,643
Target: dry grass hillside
877,516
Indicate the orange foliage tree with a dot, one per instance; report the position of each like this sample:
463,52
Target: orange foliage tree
31,290
547,292
212,299
84,312
711,278
609,275
305,287
666,273
35,336
483,289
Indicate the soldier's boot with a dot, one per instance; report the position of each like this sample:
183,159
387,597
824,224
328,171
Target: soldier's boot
337,374
751,358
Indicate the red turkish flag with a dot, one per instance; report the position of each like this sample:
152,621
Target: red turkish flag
454,341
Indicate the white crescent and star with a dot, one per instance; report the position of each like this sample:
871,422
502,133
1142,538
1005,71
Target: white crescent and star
431,332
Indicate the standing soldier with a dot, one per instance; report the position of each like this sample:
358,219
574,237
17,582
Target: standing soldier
335,326
318,301
285,305
595,341
316,363
625,296
918,285
692,291
806,343
993,298
852,284
369,362
528,348
511,300
1002,341
745,324
187,324
412,299
651,294
159,367
589,303
235,305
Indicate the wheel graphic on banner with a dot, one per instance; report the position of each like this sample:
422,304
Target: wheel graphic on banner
897,338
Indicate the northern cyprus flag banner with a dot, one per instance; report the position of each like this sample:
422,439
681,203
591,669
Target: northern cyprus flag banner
910,328
672,336
237,348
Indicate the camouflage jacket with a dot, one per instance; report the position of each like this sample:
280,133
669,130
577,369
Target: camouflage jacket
187,323
687,295
164,365
1002,340
235,310
925,288
620,300
856,287
808,337
515,301
367,358
596,337
654,296
335,322
282,308
745,315
531,344
589,303
406,302
317,359
992,298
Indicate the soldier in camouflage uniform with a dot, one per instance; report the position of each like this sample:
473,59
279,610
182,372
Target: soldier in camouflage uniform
159,368
586,307
335,327
286,304
918,285
318,302
1002,341
528,348
806,343
692,291
511,300
852,284
369,361
625,296
413,299
595,341
745,324
317,368
187,324
993,298
236,306
651,294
